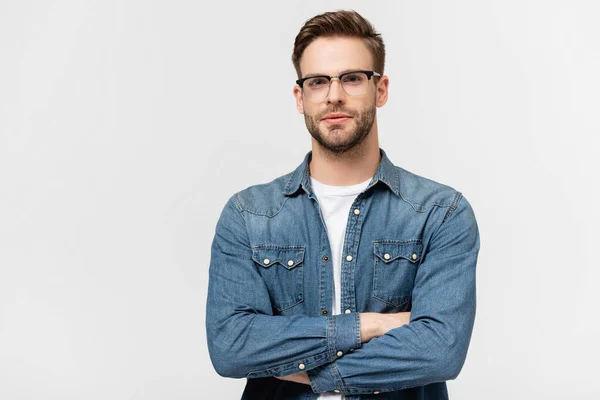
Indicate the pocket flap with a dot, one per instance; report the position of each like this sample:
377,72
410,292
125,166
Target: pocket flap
289,257
390,250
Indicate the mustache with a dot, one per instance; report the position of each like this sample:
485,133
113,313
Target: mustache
337,110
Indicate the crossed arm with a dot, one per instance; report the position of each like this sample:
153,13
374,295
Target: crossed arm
371,325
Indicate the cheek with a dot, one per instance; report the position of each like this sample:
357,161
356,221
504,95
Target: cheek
355,108
311,112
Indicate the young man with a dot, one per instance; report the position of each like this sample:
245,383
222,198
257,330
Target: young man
349,276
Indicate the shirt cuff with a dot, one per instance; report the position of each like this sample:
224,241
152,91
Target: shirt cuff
343,333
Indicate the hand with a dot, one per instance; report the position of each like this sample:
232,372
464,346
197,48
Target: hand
394,320
374,324
300,377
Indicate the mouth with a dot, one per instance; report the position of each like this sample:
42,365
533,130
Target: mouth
336,118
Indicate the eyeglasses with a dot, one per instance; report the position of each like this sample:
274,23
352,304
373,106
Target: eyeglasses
355,83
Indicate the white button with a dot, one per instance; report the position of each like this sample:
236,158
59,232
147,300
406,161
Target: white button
375,392
386,256
356,211
340,353
349,258
348,311
266,261
414,256
291,262
301,366
336,390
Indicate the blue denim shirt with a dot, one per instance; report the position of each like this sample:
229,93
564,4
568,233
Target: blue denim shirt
411,244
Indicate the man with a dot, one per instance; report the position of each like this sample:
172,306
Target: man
349,276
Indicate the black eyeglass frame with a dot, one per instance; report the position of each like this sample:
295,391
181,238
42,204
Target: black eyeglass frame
369,74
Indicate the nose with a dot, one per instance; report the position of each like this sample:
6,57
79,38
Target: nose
336,92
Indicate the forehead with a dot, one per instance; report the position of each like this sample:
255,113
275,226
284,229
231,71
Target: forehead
330,55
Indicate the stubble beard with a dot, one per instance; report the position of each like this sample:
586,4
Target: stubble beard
338,140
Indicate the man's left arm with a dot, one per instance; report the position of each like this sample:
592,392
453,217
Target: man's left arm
433,346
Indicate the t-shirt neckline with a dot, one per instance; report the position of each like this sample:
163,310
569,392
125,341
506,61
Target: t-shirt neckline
336,190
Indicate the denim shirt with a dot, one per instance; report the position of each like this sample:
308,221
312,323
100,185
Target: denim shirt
411,244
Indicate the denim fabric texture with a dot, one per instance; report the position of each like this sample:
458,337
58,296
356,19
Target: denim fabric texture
411,244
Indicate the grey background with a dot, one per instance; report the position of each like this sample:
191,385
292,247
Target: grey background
126,125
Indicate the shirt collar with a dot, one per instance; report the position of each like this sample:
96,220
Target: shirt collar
386,173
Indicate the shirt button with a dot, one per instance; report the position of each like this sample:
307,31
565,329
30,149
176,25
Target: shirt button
336,390
266,261
414,256
326,258
375,392
324,312
349,258
348,311
356,211
386,256
340,353
301,366
291,262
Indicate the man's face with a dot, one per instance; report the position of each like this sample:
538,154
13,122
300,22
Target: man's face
332,56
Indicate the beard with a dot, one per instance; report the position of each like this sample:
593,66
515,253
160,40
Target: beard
335,138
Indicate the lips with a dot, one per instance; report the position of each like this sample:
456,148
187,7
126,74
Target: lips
336,118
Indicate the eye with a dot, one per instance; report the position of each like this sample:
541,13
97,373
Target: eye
317,82
353,78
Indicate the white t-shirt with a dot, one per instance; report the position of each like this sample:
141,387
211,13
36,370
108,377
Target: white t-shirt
335,202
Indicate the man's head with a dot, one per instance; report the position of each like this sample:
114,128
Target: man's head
332,44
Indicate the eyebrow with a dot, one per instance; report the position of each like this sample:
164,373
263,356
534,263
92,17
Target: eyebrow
343,72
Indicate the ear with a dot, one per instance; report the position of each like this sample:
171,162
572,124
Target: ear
382,90
299,99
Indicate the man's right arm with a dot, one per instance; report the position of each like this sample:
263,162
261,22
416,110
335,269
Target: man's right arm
372,325
245,339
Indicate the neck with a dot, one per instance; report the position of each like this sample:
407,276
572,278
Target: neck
348,168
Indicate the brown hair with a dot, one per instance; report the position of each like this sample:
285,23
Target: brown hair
339,23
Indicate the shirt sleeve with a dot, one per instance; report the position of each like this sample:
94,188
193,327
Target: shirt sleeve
245,339
433,346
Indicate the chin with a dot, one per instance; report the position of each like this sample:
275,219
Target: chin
339,131
341,127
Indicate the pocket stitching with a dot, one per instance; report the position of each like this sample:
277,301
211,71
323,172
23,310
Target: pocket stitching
297,250
416,247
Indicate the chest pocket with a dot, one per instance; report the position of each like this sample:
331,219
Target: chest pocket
394,271
282,270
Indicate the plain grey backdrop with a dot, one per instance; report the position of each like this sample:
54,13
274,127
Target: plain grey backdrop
126,125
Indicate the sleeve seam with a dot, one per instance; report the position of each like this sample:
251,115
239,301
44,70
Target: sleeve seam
457,198
358,342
